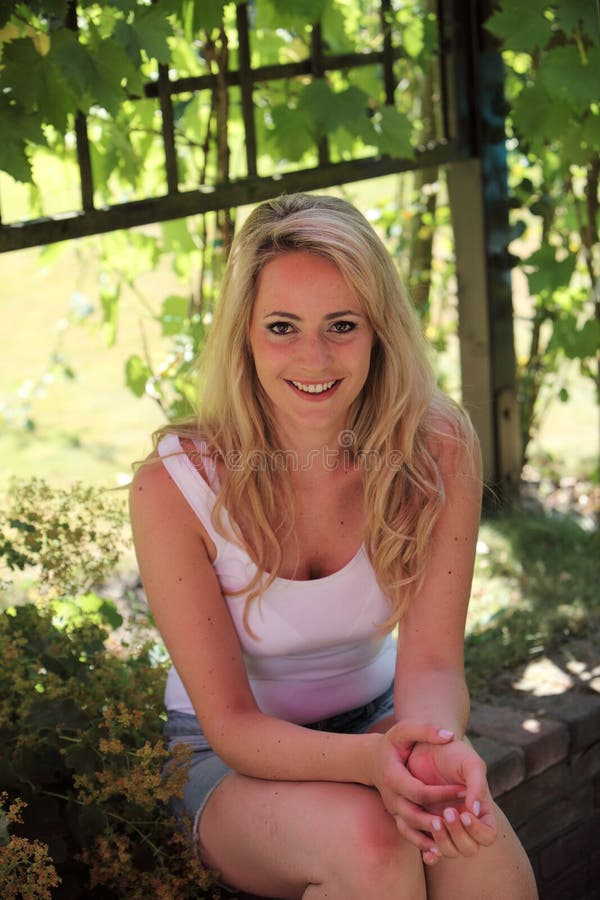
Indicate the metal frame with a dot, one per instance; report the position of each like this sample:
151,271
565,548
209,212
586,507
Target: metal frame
472,149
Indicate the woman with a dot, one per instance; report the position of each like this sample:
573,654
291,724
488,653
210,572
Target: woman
326,493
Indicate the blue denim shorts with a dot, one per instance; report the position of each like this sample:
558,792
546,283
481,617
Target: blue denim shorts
207,770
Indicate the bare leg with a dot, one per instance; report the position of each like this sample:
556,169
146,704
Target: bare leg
308,840
498,872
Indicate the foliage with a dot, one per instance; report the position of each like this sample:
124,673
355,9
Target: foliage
82,748
83,786
124,123
535,586
71,539
552,55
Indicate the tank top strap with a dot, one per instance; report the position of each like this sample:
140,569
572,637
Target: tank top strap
199,491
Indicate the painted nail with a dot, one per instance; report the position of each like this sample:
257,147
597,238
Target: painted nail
444,733
435,851
436,824
461,795
449,815
465,818
477,808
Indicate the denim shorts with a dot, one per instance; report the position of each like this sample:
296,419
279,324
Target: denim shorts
207,770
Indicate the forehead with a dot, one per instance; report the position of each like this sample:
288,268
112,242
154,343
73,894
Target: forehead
298,278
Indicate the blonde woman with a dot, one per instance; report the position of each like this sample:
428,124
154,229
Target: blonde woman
326,493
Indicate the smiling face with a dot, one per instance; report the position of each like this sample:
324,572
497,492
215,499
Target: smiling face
311,343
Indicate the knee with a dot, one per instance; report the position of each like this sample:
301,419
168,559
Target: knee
377,852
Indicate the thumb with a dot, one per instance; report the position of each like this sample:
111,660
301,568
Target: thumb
406,732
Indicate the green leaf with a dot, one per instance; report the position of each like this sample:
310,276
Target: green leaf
149,32
291,136
550,273
573,14
36,83
567,79
393,133
298,13
51,713
412,35
319,105
174,314
590,132
521,30
137,373
537,117
205,15
109,300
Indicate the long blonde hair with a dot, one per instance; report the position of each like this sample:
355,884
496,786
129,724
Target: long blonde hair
390,426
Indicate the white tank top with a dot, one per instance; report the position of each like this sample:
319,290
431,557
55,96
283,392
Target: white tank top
319,651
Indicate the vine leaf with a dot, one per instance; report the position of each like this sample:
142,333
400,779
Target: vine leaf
518,32
393,133
137,373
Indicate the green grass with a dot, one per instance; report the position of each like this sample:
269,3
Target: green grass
89,428
535,586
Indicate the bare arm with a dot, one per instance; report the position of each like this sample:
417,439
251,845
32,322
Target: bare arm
429,682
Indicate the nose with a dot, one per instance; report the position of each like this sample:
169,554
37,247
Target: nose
315,354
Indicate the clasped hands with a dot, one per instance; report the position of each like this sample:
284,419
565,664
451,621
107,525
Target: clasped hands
435,787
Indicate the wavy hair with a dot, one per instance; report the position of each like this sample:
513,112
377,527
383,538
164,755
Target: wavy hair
398,414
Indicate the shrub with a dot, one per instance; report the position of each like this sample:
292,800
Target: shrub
83,787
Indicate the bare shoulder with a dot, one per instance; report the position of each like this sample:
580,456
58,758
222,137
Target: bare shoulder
453,443
153,495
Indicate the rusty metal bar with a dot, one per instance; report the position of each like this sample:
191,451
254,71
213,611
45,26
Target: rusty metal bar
317,68
245,191
388,52
168,129
246,80
274,72
84,161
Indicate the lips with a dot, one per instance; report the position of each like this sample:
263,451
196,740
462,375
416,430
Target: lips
321,387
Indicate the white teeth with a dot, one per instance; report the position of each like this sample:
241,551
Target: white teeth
313,388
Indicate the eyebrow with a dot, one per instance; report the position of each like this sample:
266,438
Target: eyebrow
334,315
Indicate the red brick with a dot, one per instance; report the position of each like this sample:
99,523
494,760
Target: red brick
505,765
585,765
580,712
570,885
572,848
563,814
543,741
535,794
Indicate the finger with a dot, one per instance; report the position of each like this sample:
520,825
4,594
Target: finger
459,833
414,816
477,787
405,784
416,732
482,830
431,857
423,842
442,839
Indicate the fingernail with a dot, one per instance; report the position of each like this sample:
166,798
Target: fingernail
465,818
477,808
435,850
461,795
436,824
444,733
449,815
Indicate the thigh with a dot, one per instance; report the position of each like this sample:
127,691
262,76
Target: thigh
277,839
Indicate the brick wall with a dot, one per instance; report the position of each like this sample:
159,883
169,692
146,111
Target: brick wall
543,757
